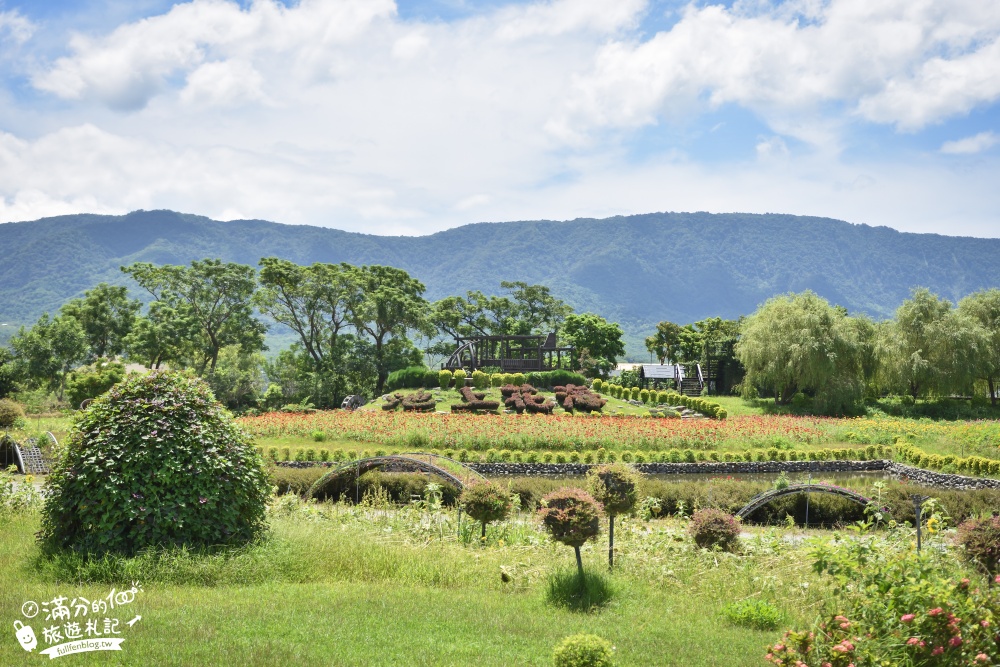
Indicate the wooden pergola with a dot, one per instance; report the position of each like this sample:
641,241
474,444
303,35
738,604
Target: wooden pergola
511,354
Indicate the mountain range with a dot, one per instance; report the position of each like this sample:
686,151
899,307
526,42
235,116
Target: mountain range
636,270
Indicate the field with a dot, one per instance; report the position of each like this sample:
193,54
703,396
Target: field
379,586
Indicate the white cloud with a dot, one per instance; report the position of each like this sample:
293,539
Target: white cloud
15,28
225,83
974,144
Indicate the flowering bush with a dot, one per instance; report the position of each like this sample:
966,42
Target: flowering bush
981,540
711,527
897,608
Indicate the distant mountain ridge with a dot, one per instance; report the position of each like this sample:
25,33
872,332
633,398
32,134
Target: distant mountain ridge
636,270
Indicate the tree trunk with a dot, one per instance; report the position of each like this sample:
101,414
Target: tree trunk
993,391
611,542
483,536
579,562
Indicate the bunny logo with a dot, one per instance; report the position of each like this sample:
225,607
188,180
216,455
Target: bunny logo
26,636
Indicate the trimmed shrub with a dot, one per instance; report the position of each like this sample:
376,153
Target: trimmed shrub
473,402
616,487
460,376
644,395
156,461
635,393
412,377
430,379
517,379
583,651
496,380
980,539
419,401
712,528
11,414
480,380
444,378
597,385
560,377
485,502
392,402
572,517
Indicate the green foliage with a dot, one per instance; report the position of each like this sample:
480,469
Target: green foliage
583,651
459,376
16,497
11,414
980,539
753,613
712,528
431,379
444,378
664,343
496,380
155,461
983,308
615,486
411,377
644,395
106,316
517,379
486,502
571,516
49,350
635,393
598,343
892,606
92,381
480,380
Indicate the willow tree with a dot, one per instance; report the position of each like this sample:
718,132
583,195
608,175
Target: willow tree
984,308
799,342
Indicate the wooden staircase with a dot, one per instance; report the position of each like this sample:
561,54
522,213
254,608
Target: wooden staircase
692,383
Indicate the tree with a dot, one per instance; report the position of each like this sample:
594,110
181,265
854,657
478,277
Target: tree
106,315
984,308
718,353
49,350
572,517
616,486
214,294
238,378
798,342
485,502
597,342
535,309
664,342
92,381
166,334
8,373
930,347
386,303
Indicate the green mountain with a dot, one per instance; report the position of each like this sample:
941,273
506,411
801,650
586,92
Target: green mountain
636,270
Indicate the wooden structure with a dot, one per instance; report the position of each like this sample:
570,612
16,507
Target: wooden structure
446,469
511,354
28,459
685,379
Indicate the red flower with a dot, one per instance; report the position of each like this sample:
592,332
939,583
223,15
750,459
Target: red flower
907,618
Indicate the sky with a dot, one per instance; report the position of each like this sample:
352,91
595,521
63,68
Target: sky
412,117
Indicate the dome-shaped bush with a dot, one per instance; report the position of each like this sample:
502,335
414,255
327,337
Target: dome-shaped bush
583,651
11,414
156,461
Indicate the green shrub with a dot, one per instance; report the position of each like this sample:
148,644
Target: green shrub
561,378
431,379
980,539
294,480
485,502
444,378
572,517
583,651
616,487
480,380
713,528
496,380
460,376
753,613
644,395
156,461
413,377
324,455
597,385
92,381
319,436
508,378
11,414
517,379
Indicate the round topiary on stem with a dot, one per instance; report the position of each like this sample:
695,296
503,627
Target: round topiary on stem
980,539
616,486
485,502
156,461
11,414
572,516
583,651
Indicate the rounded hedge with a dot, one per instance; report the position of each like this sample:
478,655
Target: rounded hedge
11,413
615,486
156,461
713,528
571,515
486,502
583,651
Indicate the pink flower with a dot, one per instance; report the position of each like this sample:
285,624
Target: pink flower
985,624
908,617
935,611
955,642
938,651
840,618
844,626
912,640
982,657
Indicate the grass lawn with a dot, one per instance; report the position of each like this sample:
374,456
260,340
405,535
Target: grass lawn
366,586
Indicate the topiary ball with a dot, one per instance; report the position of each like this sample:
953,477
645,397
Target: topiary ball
156,461
713,528
583,651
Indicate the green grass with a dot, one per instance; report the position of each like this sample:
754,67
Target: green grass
382,586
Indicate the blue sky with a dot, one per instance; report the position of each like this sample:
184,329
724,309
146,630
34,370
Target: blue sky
410,117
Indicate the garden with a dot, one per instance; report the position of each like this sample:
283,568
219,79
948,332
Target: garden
158,492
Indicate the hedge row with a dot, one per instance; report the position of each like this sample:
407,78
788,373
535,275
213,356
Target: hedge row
970,465
654,397
871,452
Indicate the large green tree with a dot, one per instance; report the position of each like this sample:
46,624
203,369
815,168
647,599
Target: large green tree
665,341
8,373
385,305
214,294
799,342
984,308
167,334
50,350
598,343
106,315
535,309
930,347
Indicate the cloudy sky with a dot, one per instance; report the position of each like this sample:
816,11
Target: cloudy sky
415,116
